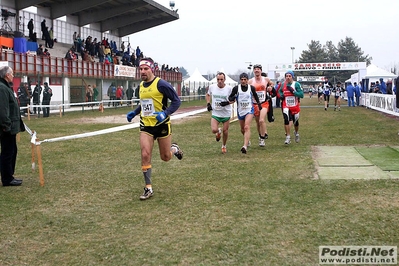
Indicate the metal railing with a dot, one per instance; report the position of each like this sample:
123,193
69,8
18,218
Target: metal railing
26,64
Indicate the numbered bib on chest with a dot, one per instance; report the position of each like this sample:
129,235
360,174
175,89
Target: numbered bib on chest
290,101
147,107
261,96
245,105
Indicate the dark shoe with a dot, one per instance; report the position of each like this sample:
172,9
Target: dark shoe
179,153
14,182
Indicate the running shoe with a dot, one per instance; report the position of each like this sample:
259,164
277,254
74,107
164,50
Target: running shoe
287,140
296,137
261,142
218,135
224,150
243,150
147,194
266,136
179,153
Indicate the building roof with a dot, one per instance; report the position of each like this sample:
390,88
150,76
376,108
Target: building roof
122,17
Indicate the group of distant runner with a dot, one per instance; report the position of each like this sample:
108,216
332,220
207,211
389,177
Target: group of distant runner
253,98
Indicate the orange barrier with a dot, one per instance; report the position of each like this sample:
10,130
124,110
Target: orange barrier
7,42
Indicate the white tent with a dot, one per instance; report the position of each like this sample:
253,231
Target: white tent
196,77
228,81
195,81
373,73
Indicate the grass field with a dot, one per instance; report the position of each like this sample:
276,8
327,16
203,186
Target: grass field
262,208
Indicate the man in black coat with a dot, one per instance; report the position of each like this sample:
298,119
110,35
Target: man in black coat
37,91
47,94
10,125
30,28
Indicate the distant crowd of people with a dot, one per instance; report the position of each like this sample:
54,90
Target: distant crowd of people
107,52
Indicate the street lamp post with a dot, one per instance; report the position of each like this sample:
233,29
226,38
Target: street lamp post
249,68
292,49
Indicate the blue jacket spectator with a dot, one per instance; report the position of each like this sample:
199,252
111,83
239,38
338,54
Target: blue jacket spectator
383,86
357,90
350,91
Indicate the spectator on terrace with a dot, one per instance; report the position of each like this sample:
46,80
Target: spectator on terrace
138,52
30,28
133,60
43,28
70,55
46,53
39,51
101,54
87,57
108,59
47,38
51,34
126,59
115,60
107,50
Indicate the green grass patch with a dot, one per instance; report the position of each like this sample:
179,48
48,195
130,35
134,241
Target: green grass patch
385,157
262,208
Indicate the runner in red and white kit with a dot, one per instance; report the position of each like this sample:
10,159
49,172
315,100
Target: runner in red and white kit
263,87
290,91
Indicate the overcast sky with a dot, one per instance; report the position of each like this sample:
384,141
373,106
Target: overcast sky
221,34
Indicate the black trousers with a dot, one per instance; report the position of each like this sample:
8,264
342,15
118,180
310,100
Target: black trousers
35,109
8,157
46,110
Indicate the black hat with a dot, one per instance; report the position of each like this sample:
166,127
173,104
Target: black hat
243,75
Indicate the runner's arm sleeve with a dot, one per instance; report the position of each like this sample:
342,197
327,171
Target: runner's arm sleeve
165,88
233,94
298,90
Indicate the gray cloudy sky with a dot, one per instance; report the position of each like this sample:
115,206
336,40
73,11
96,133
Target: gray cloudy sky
211,35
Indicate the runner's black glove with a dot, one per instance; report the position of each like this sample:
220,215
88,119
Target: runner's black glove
225,103
209,107
291,89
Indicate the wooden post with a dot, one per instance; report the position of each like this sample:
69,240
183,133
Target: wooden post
60,111
28,112
39,161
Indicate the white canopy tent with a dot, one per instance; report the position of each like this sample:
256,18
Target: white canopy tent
373,73
196,77
195,80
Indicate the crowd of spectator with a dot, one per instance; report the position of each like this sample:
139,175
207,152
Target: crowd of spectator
107,52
